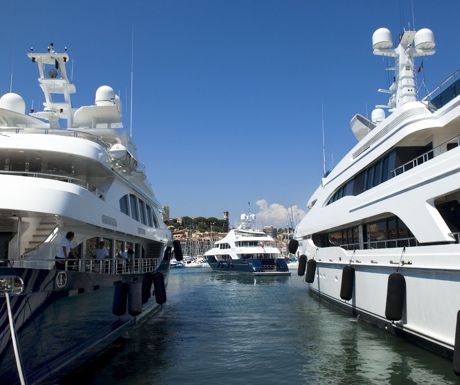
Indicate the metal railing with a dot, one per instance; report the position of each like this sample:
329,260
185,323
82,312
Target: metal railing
57,132
68,179
104,266
450,81
417,161
381,244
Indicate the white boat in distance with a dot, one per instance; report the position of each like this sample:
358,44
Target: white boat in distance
382,232
190,262
247,250
85,179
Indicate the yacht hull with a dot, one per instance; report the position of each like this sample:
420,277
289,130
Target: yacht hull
251,267
429,310
62,317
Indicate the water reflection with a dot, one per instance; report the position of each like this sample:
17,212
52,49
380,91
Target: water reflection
240,329
359,353
248,279
129,356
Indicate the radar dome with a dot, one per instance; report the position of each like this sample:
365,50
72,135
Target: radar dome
243,217
13,102
424,39
381,39
105,96
378,115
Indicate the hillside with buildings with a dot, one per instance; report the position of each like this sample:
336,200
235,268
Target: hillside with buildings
198,234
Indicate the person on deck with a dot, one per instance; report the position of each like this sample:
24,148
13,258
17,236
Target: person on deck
65,251
126,258
100,254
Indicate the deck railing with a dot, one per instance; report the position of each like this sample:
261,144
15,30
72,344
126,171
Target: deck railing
68,179
445,92
417,161
382,244
57,132
104,266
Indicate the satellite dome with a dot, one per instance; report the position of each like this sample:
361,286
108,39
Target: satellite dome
105,96
378,115
13,102
381,39
118,151
424,39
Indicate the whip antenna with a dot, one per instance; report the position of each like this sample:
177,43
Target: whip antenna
324,149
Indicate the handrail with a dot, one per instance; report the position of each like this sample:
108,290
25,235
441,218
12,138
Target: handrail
417,161
69,179
380,244
57,132
104,266
440,86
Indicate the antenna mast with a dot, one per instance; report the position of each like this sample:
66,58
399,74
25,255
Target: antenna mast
12,66
132,71
324,149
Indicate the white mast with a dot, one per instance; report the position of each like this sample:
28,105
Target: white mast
51,83
324,148
403,89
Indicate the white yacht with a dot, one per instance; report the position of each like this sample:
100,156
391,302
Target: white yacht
381,237
71,170
247,250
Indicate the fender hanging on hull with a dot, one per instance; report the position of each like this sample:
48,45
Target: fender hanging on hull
311,270
159,287
302,265
135,299
396,294
120,297
348,281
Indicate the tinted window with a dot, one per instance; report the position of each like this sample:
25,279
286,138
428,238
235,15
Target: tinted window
134,208
124,205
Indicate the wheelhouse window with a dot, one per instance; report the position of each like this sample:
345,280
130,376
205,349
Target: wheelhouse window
134,207
124,205
382,170
139,210
142,211
155,220
148,210
385,233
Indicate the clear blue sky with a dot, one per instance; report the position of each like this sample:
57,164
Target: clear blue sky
228,95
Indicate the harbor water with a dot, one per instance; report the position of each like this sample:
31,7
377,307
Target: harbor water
256,330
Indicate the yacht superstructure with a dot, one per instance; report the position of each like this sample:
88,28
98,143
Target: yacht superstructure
247,250
381,234
72,170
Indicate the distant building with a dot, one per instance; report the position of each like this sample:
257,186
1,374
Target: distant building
271,231
166,213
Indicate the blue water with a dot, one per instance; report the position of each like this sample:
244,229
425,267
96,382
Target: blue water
217,329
